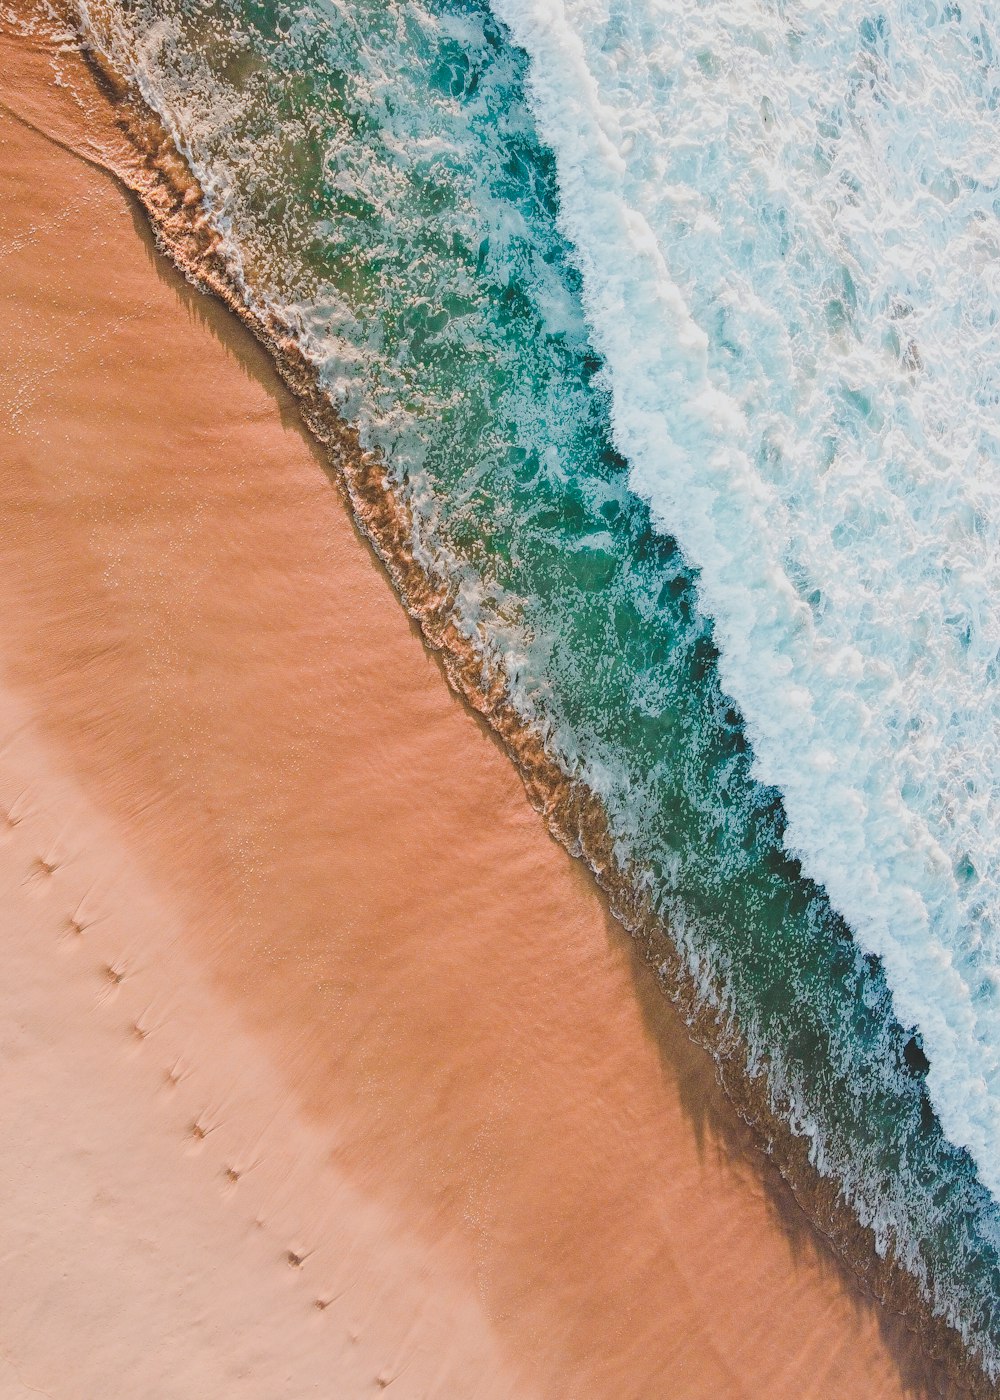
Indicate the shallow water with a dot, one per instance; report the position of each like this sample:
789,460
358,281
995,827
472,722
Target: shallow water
774,342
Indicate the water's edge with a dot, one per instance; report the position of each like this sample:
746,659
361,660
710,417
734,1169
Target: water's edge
159,177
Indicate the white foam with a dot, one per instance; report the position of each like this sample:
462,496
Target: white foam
784,217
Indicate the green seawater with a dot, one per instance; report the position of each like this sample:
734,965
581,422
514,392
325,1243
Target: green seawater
377,174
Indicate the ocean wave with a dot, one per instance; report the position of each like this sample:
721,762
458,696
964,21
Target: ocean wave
382,192
786,226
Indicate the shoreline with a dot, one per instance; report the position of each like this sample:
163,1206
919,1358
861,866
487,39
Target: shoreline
572,814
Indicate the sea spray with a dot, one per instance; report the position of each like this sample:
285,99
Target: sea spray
378,178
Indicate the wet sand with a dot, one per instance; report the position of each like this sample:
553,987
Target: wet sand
328,1069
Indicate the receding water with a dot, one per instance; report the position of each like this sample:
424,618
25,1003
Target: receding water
380,179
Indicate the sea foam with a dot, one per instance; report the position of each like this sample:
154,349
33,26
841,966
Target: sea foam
785,217
382,191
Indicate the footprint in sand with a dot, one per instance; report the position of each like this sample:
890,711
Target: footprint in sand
175,1073
11,817
199,1130
113,974
40,873
78,922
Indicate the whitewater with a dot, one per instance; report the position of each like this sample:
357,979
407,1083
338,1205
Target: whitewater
674,331
785,216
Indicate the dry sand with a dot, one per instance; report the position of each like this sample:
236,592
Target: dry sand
323,1069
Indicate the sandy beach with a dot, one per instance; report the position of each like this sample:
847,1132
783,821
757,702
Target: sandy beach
324,1070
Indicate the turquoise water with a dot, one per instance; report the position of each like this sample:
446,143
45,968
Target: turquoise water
378,173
